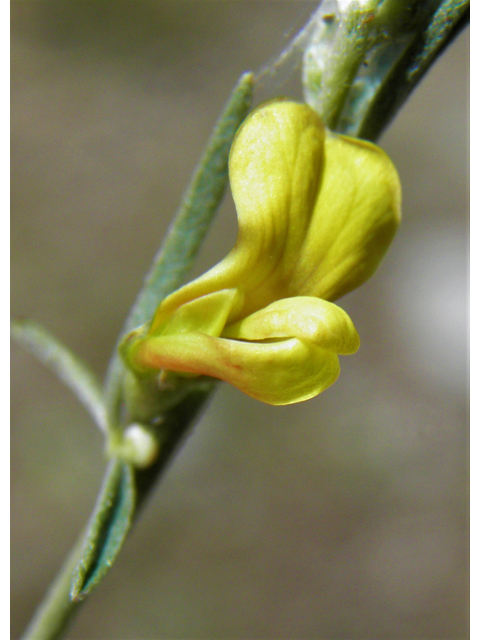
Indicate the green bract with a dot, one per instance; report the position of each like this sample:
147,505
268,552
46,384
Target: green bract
316,213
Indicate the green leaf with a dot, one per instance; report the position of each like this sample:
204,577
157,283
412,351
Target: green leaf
124,486
109,525
64,363
362,61
123,493
179,249
444,23
175,258
438,30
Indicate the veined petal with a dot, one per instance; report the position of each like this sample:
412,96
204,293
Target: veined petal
275,171
207,314
357,213
316,212
319,321
277,373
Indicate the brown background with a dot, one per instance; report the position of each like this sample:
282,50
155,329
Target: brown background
342,517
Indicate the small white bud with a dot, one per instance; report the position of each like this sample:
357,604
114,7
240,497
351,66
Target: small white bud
140,446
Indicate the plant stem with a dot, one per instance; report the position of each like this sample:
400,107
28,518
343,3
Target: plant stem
57,609
344,59
430,41
65,364
176,255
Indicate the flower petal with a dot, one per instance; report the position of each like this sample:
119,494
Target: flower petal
316,212
275,170
284,353
207,314
357,213
277,373
305,318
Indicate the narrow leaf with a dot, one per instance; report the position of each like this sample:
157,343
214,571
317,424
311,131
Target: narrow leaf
195,214
122,495
64,363
437,32
444,21
200,202
109,525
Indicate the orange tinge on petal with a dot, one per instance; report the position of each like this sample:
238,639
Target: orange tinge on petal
316,213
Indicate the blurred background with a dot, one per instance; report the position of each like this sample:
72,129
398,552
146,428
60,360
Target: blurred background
341,517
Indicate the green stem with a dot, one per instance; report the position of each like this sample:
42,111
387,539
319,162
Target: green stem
430,41
362,64
57,609
194,216
344,60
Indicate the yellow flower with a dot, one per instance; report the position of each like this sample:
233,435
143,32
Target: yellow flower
316,213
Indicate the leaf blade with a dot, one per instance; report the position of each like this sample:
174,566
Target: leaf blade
68,367
122,495
175,257
202,197
439,29
109,525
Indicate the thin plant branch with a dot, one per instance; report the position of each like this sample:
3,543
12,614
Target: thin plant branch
70,369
